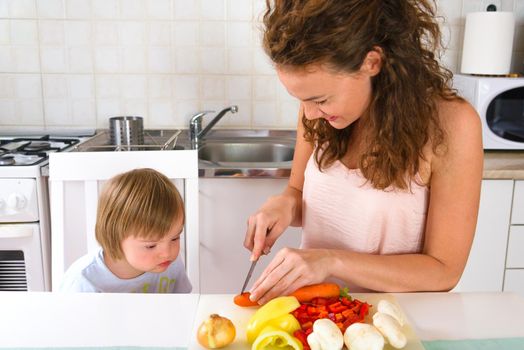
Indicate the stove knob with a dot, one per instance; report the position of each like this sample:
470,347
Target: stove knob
16,201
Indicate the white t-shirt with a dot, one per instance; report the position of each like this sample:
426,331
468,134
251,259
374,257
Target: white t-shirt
90,274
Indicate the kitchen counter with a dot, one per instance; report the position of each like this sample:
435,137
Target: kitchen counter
504,165
40,320
497,164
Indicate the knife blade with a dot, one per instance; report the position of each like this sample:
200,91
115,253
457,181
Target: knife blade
248,277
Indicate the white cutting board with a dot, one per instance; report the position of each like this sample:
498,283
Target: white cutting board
223,305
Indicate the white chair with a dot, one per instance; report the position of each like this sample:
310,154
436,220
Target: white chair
92,167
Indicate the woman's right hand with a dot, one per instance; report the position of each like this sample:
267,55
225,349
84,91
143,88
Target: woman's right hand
269,222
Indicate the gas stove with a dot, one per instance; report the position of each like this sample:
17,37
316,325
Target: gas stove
26,151
25,237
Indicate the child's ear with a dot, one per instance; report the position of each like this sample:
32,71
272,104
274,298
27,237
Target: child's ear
372,62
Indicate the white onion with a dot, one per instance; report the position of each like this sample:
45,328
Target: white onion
216,332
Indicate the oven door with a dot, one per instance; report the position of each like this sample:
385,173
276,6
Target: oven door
21,264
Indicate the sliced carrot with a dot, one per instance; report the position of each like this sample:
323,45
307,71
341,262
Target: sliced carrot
321,290
243,300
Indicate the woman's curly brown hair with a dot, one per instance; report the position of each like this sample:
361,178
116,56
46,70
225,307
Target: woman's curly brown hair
403,112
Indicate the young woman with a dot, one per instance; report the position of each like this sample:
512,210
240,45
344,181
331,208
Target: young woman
388,160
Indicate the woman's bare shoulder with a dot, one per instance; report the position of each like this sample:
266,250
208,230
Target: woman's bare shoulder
457,113
463,133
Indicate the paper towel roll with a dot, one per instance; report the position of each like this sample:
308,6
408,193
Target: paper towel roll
488,43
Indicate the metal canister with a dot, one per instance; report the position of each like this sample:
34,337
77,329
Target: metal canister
126,130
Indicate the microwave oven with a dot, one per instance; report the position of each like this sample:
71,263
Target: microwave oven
499,101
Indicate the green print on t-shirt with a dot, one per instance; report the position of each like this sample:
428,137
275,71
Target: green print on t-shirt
165,285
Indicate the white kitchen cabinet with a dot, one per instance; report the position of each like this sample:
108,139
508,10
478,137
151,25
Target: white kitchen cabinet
515,258
514,281
225,205
486,263
517,215
514,277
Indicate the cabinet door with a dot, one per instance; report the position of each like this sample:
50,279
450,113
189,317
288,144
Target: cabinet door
485,267
225,205
515,258
517,215
514,281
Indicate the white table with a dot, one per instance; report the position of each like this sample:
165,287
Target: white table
39,319
160,320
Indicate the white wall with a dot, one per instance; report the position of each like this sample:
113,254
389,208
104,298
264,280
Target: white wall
70,63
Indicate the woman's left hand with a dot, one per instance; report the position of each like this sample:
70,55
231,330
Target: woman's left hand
289,270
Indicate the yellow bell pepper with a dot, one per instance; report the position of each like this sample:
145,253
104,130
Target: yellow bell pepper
287,323
273,309
273,338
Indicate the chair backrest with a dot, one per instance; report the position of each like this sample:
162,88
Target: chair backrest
92,167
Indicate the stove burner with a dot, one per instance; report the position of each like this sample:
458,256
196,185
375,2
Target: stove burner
37,146
7,160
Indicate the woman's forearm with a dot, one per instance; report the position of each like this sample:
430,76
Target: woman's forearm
295,197
394,273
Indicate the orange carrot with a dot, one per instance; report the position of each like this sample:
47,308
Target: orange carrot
321,290
243,300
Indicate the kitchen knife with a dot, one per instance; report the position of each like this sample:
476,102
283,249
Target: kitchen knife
248,277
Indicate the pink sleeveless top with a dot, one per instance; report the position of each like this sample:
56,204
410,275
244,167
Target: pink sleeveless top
341,211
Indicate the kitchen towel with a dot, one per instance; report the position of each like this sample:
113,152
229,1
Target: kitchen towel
475,344
488,43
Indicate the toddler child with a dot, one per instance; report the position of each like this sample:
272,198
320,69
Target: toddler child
138,226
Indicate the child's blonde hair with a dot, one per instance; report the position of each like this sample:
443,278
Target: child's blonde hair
141,203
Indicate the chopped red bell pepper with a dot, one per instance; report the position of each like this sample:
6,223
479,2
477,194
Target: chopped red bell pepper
346,301
311,310
307,325
344,311
348,313
302,336
364,310
337,307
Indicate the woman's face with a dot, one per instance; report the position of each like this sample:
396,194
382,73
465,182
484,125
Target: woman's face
143,255
340,98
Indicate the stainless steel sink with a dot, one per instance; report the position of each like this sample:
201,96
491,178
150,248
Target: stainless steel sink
246,152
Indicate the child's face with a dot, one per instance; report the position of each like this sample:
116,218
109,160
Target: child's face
153,256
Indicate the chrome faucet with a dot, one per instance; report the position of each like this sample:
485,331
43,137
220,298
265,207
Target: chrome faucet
196,133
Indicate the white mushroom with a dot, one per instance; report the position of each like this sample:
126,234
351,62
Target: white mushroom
325,336
363,336
313,342
390,329
387,307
